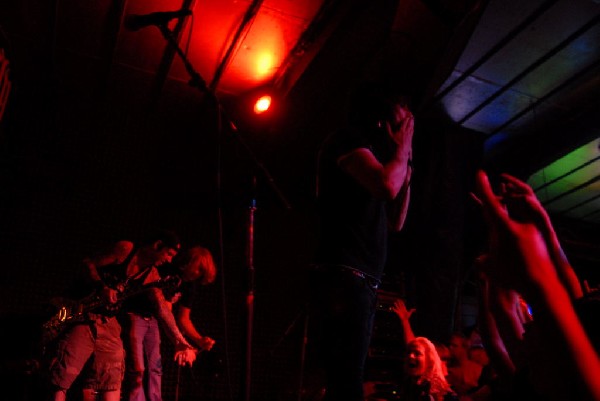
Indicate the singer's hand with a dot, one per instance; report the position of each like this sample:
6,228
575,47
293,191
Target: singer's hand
401,311
401,128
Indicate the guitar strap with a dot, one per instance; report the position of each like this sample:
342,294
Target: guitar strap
127,260
140,276
117,273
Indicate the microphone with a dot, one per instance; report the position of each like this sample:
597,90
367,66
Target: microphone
135,22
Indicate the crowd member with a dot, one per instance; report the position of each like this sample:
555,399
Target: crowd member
588,310
363,191
424,376
500,323
463,373
97,339
142,333
479,355
524,257
510,310
421,348
444,354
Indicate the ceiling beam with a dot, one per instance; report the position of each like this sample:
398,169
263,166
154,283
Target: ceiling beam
249,16
537,63
326,21
509,37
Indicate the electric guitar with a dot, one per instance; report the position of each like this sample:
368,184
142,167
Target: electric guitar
76,311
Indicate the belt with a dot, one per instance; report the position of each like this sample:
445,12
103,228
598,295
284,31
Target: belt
369,280
144,316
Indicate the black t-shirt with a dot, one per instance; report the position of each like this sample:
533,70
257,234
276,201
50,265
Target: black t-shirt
112,275
353,223
131,289
186,289
170,286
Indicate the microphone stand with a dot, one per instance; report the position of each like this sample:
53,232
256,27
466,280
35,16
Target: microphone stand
250,295
196,81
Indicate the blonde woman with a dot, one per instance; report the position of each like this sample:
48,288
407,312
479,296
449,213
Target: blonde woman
424,376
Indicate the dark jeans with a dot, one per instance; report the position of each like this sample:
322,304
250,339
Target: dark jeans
342,310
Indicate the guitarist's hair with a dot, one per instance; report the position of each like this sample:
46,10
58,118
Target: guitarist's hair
167,237
200,257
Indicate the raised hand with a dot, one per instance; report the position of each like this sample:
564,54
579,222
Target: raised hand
521,261
523,205
518,252
521,201
399,309
404,314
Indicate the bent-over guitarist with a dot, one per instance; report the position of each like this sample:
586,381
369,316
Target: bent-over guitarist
192,267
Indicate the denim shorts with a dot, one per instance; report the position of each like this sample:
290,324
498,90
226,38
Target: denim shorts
99,340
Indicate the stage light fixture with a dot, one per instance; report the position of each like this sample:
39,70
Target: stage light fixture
262,104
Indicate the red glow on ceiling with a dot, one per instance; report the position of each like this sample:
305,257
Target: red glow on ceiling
256,57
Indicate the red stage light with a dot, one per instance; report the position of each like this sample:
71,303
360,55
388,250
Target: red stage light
262,104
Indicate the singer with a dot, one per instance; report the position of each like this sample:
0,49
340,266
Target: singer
364,188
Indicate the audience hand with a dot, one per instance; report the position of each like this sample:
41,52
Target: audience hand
521,201
518,253
399,309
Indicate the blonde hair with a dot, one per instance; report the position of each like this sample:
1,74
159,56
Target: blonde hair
200,258
434,376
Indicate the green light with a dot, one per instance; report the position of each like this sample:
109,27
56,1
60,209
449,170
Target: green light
570,182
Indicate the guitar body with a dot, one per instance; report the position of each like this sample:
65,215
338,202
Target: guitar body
66,313
70,311
77,311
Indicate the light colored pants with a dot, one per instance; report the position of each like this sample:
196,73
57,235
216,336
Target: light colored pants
143,357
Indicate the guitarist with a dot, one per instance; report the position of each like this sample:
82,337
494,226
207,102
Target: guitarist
98,340
142,335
